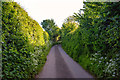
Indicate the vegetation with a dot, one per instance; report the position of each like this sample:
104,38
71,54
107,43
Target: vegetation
95,44
52,29
24,43
92,39
68,26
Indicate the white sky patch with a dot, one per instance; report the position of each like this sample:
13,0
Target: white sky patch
58,10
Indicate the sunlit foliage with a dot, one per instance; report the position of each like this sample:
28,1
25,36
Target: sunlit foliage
95,44
52,29
24,43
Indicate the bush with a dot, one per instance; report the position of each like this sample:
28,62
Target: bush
24,46
95,43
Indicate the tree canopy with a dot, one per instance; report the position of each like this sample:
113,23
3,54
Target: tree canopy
52,29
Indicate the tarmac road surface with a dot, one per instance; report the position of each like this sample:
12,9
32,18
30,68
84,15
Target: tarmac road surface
60,65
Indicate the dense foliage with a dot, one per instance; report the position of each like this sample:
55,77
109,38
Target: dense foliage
68,26
92,39
95,44
52,29
24,43
0,39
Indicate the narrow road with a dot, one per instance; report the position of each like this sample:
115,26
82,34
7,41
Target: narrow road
60,65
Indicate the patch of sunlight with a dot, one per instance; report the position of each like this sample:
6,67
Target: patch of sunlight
74,29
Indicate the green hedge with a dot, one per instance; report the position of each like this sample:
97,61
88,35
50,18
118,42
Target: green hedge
95,45
24,43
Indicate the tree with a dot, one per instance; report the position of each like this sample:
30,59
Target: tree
69,25
52,29
98,36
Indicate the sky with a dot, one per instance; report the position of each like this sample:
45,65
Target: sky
58,10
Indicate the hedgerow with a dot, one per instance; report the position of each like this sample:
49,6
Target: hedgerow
24,43
95,44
